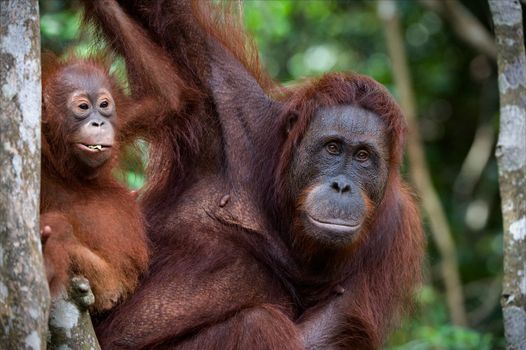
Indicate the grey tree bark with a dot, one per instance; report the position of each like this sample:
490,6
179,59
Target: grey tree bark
70,324
511,158
24,295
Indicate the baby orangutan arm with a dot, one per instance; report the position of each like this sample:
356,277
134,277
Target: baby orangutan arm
157,90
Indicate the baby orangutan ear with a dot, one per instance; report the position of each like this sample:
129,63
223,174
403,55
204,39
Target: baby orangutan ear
292,118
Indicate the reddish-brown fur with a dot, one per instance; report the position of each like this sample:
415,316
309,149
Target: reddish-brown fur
225,271
382,270
97,228
91,225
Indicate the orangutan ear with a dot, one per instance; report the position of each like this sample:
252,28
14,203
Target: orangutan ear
292,118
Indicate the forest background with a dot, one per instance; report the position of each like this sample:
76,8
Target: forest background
454,82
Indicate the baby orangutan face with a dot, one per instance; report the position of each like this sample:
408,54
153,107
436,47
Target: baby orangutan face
92,112
83,121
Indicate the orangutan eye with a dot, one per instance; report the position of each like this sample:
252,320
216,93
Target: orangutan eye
103,104
333,148
83,106
361,155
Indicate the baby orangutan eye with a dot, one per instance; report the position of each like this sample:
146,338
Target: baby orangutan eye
362,155
83,106
104,104
333,148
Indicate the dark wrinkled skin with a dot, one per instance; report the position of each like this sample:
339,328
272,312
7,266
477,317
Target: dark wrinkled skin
331,187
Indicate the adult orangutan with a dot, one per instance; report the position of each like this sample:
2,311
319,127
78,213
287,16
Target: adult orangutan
90,224
289,226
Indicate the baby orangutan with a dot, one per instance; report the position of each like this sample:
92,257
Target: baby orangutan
90,224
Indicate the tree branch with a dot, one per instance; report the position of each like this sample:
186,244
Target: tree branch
70,324
480,151
465,25
419,171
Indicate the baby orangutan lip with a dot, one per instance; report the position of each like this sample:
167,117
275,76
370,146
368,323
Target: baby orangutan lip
93,148
335,225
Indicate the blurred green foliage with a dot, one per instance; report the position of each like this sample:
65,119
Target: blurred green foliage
429,329
456,91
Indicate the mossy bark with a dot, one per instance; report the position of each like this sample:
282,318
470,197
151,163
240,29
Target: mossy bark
70,324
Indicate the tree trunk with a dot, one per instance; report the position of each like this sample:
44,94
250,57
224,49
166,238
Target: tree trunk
511,158
24,295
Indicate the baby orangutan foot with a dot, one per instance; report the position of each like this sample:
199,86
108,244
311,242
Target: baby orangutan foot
80,292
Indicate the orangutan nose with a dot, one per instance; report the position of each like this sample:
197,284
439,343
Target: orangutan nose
341,184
